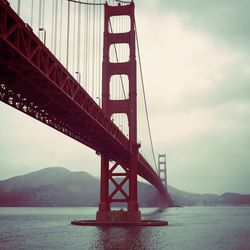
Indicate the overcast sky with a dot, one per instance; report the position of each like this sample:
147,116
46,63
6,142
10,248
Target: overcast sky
195,57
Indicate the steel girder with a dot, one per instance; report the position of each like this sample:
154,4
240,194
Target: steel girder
33,81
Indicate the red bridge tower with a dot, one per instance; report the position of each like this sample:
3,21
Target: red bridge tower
126,106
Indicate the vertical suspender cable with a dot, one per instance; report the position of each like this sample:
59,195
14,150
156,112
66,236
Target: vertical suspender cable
99,53
96,51
122,52
74,37
113,59
39,17
42,15
32,11
79,39
87,49
60,32
18,7
84,45
101,50
55,38
93,54
43,11
119,56
144,97
68,28
96,59
52,23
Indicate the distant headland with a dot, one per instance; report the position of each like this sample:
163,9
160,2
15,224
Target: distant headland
60,187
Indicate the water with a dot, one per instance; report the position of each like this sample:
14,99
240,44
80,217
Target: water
224,228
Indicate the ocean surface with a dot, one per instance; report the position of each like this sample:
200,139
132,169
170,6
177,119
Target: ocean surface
219,227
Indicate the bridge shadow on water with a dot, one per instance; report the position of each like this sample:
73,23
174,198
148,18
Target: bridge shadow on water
132,237
121,238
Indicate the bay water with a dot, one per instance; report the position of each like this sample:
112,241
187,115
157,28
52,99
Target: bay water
194,228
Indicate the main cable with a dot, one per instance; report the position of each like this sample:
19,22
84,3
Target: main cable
86,3
144,97
120,1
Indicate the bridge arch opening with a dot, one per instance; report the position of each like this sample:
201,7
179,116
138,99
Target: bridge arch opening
119,87
119,24
121,121
119,52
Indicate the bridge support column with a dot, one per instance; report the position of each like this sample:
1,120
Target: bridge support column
162,169
133,206
164,200
124,181
104,205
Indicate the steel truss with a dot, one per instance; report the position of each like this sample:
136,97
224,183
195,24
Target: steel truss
33,81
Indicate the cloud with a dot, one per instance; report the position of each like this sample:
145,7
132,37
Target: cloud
217,159
226,19
197,80
28,145
198,89
181,69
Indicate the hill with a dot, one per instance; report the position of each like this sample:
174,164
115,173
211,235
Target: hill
183,198
60,187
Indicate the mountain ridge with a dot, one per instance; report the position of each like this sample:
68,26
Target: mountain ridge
57,186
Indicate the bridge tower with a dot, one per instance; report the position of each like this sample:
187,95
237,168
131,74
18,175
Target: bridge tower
162,169
128,106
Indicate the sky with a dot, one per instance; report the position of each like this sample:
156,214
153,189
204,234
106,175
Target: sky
195,58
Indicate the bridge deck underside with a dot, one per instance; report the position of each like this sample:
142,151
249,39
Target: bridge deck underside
33,81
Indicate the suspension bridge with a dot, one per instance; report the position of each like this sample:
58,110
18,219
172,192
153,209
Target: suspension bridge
51,70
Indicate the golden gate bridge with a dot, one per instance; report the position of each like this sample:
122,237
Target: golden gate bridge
51,70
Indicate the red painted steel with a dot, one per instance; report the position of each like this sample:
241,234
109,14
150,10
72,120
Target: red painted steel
162,169
33,81
127,106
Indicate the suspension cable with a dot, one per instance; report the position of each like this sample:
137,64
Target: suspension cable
60,28
68,27
56,16
74,39
78,40
32,13
86,3
144,97
84,55
97,56
87,48
120,1
43,10
99,53
93,52
52,23
39,17
18,7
